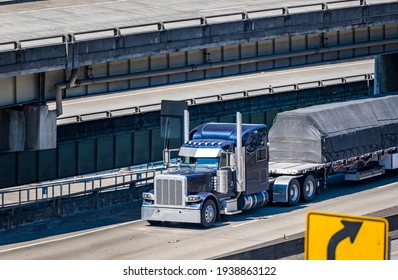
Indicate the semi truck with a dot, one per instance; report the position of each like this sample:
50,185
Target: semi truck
227,168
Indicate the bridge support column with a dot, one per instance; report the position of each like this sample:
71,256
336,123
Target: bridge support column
386,70
12,130
30,127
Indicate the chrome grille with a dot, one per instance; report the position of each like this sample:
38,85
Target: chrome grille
169,191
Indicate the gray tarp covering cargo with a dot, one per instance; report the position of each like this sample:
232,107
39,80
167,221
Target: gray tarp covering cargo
330,132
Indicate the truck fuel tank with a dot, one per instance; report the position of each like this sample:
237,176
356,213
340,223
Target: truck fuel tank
222,181
251,201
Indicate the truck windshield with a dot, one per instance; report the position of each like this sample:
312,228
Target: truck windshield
200,162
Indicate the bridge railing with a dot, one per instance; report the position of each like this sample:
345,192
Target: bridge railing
180,23
79,186
218,97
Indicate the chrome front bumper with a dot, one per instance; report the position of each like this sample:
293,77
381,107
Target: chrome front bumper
183,215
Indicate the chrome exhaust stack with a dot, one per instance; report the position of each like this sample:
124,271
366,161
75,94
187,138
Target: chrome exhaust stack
240,156
186,126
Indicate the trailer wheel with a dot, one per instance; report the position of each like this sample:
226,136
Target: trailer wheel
308,190
293,192
208,214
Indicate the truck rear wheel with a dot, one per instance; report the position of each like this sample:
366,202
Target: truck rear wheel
208,214
293,192
308,189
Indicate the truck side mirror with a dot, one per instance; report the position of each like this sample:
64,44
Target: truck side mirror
167,156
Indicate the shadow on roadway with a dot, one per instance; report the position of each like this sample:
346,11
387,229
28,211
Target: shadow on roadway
108,216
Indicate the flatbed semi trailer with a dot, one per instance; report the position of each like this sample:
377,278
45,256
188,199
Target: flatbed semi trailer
228,168
358,138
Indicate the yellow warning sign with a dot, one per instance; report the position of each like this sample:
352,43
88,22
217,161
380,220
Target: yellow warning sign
331,236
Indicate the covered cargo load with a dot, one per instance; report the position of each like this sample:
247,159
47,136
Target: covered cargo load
336,131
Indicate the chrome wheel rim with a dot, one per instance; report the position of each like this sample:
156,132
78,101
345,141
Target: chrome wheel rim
309,188
294,193
209,214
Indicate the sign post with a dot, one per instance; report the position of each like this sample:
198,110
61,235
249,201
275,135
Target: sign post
331,236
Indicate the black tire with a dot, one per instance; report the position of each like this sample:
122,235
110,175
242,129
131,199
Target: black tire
308,189
293,192
208,214
154,223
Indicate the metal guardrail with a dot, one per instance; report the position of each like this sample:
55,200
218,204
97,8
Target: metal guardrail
218,98
32,195
172,24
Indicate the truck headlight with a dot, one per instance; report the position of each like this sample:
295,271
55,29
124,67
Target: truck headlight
193,198
148,196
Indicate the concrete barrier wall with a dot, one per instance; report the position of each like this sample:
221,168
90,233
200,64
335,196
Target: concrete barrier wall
61,207
294,245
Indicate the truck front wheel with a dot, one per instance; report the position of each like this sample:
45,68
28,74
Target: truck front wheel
208,213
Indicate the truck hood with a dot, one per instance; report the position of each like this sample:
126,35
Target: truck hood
199,179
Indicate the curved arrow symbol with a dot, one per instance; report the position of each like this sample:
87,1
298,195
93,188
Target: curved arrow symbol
350,230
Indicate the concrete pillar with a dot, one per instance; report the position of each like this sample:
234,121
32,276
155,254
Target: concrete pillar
40,127
12,130
30,127
16,134
386,71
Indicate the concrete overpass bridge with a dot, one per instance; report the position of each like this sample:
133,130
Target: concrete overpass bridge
204,43
178,50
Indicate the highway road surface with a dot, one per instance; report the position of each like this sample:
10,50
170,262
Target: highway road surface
118,233
56,17
211,87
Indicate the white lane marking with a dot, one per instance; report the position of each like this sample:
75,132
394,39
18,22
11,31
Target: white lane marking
265,74
68,237
242,224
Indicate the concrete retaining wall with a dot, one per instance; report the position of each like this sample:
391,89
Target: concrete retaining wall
294,245
61,207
